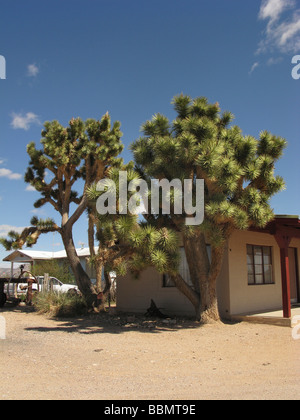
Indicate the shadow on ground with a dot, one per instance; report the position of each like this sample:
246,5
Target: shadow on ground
106,323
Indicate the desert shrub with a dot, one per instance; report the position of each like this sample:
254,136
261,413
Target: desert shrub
60,304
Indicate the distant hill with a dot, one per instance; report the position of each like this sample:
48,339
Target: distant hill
5,272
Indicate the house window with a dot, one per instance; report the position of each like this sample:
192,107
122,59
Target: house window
259,262
183,270
167,281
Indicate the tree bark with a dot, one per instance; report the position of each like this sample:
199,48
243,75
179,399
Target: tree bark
96,262
99,270
210,307
204,275
82,279
107,279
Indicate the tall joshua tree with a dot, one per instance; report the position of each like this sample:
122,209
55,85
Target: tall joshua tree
81,151
238,172
125,242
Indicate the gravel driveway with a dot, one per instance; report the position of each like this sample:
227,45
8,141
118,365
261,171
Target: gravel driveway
130,357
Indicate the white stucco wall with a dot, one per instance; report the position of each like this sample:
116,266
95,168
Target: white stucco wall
234,294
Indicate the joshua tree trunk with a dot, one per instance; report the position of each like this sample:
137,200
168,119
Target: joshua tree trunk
82,279
204,274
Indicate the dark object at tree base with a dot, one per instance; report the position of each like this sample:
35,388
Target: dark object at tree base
3,299
14,301
154,311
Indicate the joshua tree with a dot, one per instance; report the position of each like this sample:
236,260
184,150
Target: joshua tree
238,172
82,151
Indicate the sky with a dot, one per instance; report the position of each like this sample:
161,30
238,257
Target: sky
75,58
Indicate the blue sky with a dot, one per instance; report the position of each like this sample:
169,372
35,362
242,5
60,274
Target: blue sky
72,58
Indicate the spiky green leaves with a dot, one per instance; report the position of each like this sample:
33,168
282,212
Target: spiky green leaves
200,143
29,235
11,242
80,150
153,247
127,243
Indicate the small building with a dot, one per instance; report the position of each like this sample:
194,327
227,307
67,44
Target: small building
30,257
260,273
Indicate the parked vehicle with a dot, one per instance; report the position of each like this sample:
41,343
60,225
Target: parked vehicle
56,285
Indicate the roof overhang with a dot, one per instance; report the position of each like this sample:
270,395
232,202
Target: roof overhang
20,256
282,225
26,257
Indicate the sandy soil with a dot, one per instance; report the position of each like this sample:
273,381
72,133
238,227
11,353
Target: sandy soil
125,357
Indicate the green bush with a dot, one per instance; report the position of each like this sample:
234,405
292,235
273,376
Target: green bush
60,270
60,304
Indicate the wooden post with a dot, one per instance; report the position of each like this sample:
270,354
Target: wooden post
11,277
286,285
46,285
284,242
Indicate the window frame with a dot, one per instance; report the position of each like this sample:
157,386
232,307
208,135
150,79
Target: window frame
167,282
253,265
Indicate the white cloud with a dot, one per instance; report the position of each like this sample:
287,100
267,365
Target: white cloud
288,34
255,65
272,61
30,188
32,70
273,9
7,173
282,33
38,212
4,229
24,122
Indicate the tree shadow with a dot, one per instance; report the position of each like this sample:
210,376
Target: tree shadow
107,323
117,324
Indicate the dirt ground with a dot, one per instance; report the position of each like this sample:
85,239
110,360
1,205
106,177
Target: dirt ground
131,357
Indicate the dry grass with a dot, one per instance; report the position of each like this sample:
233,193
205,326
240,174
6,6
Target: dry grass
59,304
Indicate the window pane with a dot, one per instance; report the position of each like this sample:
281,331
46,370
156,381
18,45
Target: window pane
259,279
267,256
249,249
183,271
268,274
258,250
259,264
258,269
257,255
250,279
249,259
167,281
267,250
184,268
267,260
